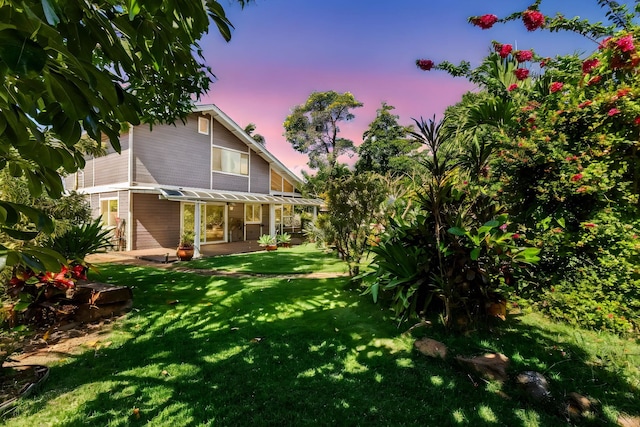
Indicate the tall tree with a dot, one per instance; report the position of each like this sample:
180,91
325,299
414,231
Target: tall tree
313,127
69,67
386,147
250,129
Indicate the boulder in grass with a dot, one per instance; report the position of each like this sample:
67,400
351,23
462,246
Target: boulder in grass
431,348
577,406
533,385
492,366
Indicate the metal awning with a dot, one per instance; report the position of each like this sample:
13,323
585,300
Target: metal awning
230,197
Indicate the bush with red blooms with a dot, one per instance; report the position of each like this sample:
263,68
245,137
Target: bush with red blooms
568,166
45,291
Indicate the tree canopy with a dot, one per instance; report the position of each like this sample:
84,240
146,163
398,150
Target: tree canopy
386,147
313,127
74,67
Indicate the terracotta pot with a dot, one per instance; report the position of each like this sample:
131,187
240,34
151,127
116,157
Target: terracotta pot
272,247
185,253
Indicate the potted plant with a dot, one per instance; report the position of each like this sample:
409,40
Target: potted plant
185,247
268,242
284,240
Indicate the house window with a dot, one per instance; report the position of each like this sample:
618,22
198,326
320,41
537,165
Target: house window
230,161
203,125
109,212
252,213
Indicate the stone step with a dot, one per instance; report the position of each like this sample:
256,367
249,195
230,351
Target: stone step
101,293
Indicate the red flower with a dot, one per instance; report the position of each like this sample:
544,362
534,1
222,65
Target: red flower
589,225
625,44
485,21
623,92
523,55
576,177
594,80
505,50
604,43
544,62
515,236
613,112
521,73
512,87
556,86
585,103
589,64
532,19
636,121
78,272
424,64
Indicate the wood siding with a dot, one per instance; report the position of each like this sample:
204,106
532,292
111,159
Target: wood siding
156,222
110,169
223,137
259,174
172,155
223,181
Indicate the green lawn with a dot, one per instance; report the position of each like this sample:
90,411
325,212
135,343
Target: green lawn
302,259
309,351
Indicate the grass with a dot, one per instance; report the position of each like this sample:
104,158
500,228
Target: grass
265,351
303,259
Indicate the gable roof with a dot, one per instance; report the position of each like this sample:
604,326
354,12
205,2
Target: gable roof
234,128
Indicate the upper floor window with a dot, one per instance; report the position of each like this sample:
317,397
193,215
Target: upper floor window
230,161
109,212
203,125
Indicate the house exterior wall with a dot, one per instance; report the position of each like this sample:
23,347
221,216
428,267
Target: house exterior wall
172,155
156,222
223,137
259,174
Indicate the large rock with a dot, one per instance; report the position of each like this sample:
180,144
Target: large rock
534,385
431,348
492,366
577,406
625,420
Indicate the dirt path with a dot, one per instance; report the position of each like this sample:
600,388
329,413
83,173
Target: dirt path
61,342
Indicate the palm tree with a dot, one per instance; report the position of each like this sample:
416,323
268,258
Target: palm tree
249,129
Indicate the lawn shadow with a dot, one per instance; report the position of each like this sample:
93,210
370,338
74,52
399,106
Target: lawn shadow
227,351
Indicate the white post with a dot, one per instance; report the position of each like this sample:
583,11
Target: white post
196,230
272,220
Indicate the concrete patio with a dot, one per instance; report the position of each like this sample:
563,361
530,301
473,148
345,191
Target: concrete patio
167,255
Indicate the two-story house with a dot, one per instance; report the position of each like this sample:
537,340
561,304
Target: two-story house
206,175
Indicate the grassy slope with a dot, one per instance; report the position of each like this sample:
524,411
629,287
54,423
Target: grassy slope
270,351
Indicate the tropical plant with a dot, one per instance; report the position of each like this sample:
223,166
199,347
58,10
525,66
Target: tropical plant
267,240
82,240
563,160
187,239
283,239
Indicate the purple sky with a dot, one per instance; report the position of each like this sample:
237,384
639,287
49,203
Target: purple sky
282,50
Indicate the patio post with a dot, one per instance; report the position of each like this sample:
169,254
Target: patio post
196,230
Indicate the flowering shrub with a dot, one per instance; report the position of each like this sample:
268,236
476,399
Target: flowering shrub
485,21
567,167
40,296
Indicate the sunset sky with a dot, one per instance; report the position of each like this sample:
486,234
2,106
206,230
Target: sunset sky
282,50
